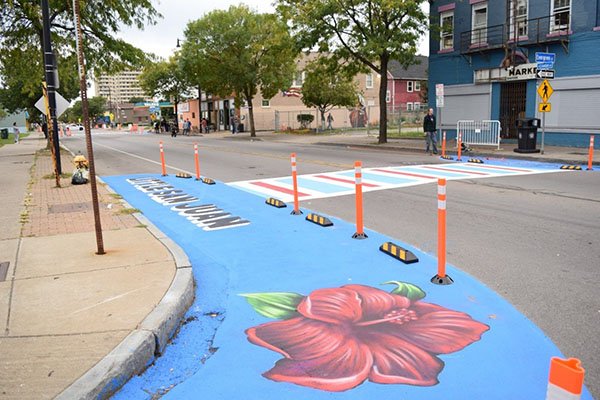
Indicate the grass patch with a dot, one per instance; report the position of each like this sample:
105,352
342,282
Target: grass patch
11,138
128,211
64,175
141,226
115,196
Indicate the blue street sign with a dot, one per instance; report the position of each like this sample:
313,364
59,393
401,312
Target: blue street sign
545,60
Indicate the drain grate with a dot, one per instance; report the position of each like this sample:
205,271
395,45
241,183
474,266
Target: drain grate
68,208
3,270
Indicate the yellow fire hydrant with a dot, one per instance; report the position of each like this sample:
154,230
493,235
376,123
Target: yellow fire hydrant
80,174
80,161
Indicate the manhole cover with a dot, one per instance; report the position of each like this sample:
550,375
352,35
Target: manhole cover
68,208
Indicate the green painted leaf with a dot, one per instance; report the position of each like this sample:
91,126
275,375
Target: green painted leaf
274,305
406,289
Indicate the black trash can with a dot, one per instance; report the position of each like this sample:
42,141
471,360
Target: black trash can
4,133
527,133
240,127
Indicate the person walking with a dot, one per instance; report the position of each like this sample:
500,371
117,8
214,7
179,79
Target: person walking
16,132
203,126
329,121
429,130
234,124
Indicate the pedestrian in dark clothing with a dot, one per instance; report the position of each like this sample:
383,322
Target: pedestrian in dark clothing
429,130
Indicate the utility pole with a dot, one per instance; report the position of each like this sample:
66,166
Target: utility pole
50,82
86,124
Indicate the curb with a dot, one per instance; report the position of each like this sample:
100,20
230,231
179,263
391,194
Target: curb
139,349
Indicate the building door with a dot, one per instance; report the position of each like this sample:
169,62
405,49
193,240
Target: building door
513,97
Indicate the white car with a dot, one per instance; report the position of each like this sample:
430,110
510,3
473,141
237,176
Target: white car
75,127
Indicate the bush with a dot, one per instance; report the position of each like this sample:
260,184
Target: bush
305,120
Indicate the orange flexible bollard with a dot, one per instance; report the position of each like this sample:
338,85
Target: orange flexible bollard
444,144
441,278
296,210
162,160
565,380
591,153
197,161
459,145
360,233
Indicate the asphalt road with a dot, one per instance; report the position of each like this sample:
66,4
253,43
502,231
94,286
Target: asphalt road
534,239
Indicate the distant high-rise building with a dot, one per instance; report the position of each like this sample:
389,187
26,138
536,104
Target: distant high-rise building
120,88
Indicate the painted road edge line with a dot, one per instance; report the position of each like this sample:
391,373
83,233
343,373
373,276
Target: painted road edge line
137,351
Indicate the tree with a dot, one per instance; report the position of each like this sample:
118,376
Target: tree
165,79
136,100
326,87
371,32
96,108
238,52
21,64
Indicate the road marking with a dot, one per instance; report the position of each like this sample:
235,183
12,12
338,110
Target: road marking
332,184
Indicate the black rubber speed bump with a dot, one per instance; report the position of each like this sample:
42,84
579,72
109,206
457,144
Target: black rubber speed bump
275,202
183,175
406,256
208,181
571,167
475,160
447,157
319,219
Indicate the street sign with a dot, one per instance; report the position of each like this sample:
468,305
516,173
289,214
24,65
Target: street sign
439,89
439,95
544,107
61,105
545,60
545,90
545,74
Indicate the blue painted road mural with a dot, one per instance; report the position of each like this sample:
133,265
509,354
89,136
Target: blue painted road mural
287,309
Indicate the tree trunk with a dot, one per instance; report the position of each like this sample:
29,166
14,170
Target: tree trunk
382,95
322,118
199,109
251,115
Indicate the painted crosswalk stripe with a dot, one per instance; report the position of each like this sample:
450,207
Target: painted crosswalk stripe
278,188
455,170
390,171
333,178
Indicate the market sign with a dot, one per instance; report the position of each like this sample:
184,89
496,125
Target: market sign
521,72
512,73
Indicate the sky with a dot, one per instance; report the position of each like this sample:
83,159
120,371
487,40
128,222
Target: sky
161,39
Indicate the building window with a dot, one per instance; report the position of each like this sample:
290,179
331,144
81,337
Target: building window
417,86
388,96
266,103
479,23
417,106
298,80
518,18
447,30
561,15
369,81
409,106
409,86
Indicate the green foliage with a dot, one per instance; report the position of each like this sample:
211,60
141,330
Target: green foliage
136,100
275,305
237,52
305,120
369,32
326,86
96,108
21,64
165,79
406,289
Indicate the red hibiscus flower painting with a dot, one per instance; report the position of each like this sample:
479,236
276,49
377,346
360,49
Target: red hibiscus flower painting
335,339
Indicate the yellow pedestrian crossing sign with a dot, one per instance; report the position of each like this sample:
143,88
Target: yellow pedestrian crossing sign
545,90
544,107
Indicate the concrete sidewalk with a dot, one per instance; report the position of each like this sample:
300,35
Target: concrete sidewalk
76,324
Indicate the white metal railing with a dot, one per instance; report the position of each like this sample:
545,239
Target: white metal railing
485,133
